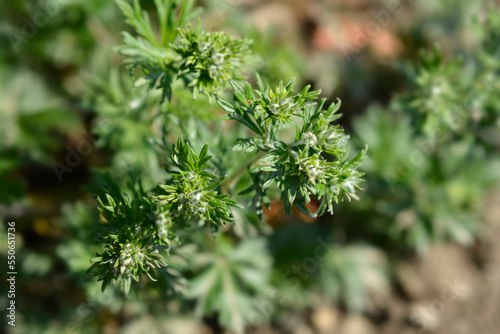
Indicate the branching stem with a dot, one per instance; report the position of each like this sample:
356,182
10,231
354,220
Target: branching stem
231,181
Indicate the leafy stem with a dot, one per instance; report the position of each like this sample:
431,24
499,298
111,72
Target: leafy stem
230,182
298,168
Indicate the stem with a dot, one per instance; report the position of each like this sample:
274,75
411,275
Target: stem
231,181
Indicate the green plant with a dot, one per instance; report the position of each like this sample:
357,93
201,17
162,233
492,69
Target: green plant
190,212
203,61
434,153
201,193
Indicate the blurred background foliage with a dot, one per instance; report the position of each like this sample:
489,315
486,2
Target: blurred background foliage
422,92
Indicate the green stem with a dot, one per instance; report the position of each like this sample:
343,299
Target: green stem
231,181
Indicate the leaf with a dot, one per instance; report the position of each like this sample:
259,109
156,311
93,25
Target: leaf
304,209
290,84
126,286
215,184
230,280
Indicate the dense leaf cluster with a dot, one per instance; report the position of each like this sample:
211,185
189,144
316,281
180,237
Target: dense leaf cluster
136,242
229,275
208,60
142,233
193,191
299,168
202,60
433,154
433,158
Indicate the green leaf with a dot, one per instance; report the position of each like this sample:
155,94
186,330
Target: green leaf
224,105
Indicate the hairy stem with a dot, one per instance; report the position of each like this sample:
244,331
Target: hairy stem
231,181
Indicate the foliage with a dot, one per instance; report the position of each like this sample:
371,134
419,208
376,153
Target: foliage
228,273
201,60
421,191
298,168
207,60
430,163
200,221
354,275
192,190
316,164
135,243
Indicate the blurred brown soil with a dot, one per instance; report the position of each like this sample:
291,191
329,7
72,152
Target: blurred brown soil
452,290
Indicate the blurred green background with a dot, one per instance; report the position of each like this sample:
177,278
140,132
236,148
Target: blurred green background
419,83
